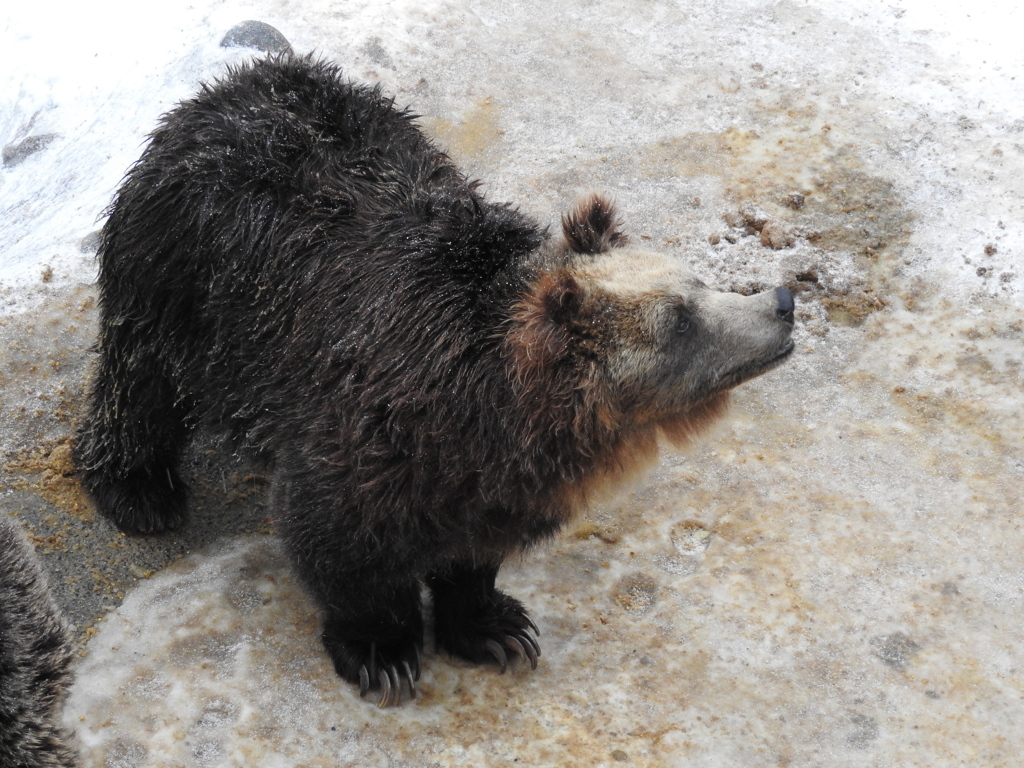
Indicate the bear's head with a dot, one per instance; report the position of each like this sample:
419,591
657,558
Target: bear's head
633,339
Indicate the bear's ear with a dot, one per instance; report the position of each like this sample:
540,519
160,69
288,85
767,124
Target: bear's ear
562,297
541,333
593,226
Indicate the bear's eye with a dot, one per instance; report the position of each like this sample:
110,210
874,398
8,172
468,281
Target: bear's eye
683,321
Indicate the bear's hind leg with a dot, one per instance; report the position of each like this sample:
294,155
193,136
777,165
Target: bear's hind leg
128,447
476,621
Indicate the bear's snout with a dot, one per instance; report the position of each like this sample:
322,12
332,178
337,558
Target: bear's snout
786,304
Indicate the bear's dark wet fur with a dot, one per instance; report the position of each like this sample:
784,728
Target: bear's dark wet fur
293,261
34,659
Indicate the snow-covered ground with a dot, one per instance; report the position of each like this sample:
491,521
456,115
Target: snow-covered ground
831,579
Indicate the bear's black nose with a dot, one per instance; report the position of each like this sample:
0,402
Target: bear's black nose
785,310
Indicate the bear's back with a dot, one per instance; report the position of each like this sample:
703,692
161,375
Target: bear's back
291,135
287,225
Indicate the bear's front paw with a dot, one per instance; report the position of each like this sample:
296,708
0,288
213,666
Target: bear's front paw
376,666
488,631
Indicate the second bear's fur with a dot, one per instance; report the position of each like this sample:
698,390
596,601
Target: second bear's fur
34,659
437,381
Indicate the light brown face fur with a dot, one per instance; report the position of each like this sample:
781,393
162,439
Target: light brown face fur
667,340
612,346
647,339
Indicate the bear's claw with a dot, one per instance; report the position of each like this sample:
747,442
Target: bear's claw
498,653
411,678
378,666
389,679
527,645
493,629
536,630
364,681
523,645
517,646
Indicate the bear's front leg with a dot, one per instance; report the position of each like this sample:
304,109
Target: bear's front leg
373,634
477,622
373,627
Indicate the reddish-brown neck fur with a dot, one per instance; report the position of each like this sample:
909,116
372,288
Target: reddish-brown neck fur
571,421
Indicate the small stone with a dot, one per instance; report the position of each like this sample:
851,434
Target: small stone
991,250
807,276
258,35
895,650
777,235
90,243
376,53
734,220
753,217
16,153
715,239
795,201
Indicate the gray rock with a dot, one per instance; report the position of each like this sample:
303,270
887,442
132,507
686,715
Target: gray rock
258,35
896,650
376,53
90,243
19,151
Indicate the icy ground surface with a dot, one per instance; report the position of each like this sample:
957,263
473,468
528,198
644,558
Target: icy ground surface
833,578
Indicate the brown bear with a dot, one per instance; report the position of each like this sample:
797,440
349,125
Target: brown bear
34,659
437,382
